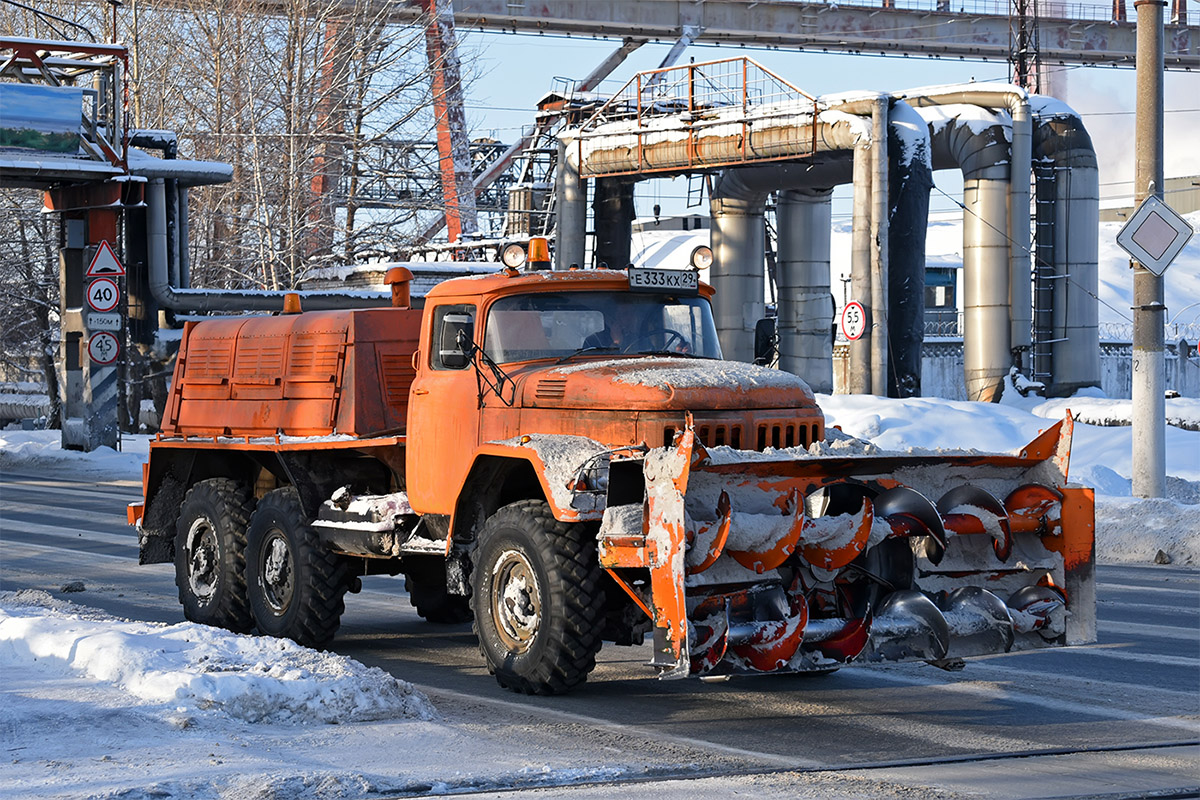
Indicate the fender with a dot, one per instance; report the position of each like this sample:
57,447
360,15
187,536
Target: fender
546,459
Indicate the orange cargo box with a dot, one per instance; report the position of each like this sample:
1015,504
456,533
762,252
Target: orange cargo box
313,374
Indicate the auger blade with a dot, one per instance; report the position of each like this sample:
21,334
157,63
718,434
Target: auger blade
699,559
1032,508
771,555
909,506
708,635
1038,608
837,640
983,507
908,626
768,646
833,541
979,622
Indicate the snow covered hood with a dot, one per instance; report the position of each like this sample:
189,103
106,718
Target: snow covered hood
665,383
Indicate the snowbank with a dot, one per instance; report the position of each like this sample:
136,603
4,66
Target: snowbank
1128,530
180,671
44,449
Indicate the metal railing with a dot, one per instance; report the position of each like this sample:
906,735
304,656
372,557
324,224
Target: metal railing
681,110
1083,12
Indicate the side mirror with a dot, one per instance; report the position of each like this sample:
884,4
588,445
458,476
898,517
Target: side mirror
455,339
765,341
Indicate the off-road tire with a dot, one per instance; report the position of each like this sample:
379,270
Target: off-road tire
210,554
558,649
296,586
433,603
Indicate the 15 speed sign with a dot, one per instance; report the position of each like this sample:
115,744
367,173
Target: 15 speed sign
854,320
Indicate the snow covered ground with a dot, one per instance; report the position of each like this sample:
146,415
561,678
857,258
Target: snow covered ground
95,706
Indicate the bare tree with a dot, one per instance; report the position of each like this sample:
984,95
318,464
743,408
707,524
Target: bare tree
29,282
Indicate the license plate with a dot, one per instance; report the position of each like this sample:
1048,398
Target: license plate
669,281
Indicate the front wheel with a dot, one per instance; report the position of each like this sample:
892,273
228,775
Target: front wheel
296,586
537,598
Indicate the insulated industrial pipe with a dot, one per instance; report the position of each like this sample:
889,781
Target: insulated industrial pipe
803,254
879,246
804,218
226,300
1060,139
909,182
571,223
738,235
612,215
977,142
859,373
1015,101
738,243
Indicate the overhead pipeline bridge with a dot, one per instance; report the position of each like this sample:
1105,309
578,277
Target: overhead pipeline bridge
1069,33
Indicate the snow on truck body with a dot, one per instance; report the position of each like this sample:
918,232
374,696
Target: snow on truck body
568,461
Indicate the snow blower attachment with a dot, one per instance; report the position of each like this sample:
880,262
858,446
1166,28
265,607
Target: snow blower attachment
792,562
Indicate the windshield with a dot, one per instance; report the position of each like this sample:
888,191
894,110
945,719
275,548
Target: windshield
561,324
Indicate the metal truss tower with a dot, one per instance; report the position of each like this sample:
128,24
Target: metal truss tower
1024,58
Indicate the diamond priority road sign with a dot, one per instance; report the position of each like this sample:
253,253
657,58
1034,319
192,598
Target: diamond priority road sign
1154,235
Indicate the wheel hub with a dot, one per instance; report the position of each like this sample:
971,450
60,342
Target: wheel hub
516,601
202,559
277,576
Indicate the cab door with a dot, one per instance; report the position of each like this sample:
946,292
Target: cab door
443,413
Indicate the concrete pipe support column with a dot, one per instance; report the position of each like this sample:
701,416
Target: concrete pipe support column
804,219
738,244
571,201
860,268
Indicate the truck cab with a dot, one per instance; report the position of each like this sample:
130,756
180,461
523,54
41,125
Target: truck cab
583,355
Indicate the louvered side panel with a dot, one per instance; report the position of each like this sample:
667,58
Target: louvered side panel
396,375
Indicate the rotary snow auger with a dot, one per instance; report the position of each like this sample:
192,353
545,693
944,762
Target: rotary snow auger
795,562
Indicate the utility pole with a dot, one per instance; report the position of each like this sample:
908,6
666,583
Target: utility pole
1149,403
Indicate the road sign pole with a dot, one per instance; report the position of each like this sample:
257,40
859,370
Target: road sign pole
1149,367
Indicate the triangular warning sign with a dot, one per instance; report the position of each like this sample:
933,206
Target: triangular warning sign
104,263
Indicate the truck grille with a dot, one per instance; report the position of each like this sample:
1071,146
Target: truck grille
777,434
712,434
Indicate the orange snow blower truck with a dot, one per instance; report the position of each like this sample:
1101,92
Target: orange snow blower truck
564,457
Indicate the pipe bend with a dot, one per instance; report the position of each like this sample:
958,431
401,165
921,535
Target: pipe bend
224,300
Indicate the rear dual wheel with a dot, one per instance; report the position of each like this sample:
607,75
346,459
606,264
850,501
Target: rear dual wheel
295,585
428,594
538,599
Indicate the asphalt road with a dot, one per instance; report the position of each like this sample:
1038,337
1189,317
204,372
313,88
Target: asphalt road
1117,719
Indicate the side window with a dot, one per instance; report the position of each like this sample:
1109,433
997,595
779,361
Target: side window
452,326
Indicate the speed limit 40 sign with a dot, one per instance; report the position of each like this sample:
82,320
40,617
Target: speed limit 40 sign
854,320
103,348
103,294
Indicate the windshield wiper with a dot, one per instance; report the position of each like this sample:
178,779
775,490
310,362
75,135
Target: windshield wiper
593,349
673,353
